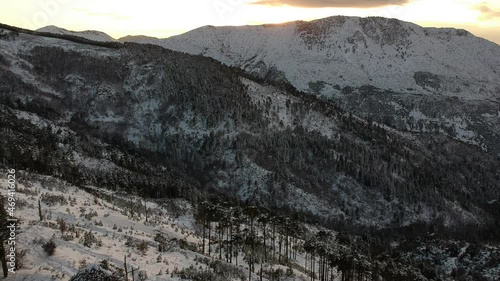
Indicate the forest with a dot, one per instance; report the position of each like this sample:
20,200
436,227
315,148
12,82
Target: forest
152,122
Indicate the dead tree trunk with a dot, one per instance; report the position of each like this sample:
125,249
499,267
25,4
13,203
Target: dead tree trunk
125,266
40,210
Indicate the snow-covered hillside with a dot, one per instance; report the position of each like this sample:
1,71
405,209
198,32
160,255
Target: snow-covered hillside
378,68
346,51
336,52
447,74
101,228
112,227
352,51
143,103
88,34
93,234
141,39
228,151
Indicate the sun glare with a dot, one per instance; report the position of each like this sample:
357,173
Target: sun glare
166,18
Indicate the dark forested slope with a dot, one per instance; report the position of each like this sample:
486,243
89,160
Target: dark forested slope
165,124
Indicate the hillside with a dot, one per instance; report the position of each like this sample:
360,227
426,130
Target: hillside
423,80
385,53
88,34
96,234
144,120
214,129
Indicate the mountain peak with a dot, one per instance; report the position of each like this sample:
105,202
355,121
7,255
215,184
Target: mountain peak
352,51
93,35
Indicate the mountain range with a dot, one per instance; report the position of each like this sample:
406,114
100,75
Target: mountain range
258,130
369,126
89,34
397,73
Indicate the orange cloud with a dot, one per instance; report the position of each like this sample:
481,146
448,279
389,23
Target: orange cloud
487,12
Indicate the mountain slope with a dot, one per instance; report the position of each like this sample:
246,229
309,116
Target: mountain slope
93,230
88,34
393,72
140,39
384,53
165,124
157,123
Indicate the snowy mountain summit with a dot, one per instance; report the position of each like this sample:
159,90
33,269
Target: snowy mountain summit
321,55
88,34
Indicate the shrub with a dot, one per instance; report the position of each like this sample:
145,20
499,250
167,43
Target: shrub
88,239
82,264
142,247
50,247
52,200
142,275
62,225
20,258
105,264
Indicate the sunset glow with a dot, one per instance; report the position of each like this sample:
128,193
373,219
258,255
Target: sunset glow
166,18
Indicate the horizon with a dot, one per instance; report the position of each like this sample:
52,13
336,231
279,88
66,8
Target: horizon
162,20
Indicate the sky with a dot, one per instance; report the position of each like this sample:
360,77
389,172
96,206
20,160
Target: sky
164,18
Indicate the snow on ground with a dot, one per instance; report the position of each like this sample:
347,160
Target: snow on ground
279,108
69,254
114,225
351,51
87,34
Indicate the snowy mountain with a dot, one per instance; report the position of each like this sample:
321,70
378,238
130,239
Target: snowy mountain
140,39
397,73
88,34
349,51
215,128
136,119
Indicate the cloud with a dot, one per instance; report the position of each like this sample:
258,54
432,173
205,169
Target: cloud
487,12
331,3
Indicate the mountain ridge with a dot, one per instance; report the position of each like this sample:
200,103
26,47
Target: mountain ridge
139,119
93,35
413,71
211,124
340,58
318,40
